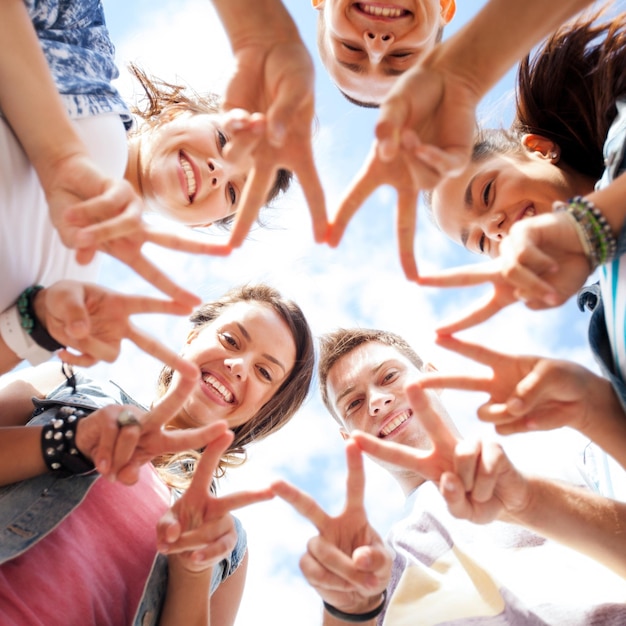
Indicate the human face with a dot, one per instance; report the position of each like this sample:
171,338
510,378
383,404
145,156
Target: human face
182,173
477,208
367,45
244,356
366,390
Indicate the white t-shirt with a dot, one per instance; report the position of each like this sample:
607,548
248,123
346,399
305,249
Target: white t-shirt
31,251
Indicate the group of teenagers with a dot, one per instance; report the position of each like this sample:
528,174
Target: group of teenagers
110,510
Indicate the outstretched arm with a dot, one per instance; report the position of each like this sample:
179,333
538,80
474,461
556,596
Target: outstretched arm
347,563
529,393
427,122
481,484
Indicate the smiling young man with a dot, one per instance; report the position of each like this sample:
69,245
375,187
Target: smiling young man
447,570
365,46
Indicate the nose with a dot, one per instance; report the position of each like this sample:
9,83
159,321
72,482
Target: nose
377,401
377,44
216,173
494,225
236,366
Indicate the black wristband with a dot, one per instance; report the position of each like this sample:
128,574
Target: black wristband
357,617
58,445
30,322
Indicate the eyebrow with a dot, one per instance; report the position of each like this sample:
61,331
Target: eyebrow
350,389
357,68
269,357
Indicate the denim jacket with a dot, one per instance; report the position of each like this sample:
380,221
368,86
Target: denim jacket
80,55
31,509
589,296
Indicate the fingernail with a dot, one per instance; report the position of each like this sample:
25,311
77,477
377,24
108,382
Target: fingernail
514,405
84,240
102,466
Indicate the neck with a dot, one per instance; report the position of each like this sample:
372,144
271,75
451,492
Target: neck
409,481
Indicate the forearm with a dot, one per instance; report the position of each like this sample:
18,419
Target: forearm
579,519
499,36
29,98
251,20
605,421
188,596
612,202
20,454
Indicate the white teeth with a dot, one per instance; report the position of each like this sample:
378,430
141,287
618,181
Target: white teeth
217,386
191,179
394,423
381,11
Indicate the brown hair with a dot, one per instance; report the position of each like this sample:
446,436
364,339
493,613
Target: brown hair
566,91
336,344
282,406
163,101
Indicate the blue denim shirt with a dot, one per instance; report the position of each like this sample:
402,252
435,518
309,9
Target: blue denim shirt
31,509
80,54
615,164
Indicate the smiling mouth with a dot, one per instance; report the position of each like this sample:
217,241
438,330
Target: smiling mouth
189,176
376,10
395,423
218,388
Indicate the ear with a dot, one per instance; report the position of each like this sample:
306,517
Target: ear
542,146
318,4
344,434
448,9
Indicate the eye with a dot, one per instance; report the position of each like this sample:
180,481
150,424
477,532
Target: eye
232,193
481,243
401,55
347,46
352,406
265,374
389,376
222,140
228,339
486,192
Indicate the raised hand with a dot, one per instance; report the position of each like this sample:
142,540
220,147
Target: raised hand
274,76
530,393
118,446
347,563
425,132
94,320
198,529
484,484
428,463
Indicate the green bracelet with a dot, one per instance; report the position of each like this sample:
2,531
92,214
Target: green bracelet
31,324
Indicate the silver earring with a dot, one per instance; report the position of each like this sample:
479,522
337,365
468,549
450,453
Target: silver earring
554,154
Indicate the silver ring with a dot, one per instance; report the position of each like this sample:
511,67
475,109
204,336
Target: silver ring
126,418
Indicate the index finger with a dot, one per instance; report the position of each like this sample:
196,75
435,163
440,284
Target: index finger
356,476
359,190
167,406
394,453
438,431
407,223
481,311
301,502
473,351
253,198
314,194
205,468
464,276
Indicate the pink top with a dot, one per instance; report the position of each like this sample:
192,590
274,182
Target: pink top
93,567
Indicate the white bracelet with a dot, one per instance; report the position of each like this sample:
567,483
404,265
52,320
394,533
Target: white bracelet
18,340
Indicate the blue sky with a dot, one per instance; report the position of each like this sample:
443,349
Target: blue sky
358,284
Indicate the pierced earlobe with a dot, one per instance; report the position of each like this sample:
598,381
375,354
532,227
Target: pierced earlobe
555,156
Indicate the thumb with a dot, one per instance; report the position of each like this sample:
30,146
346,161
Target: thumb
393,117
526,395
67,305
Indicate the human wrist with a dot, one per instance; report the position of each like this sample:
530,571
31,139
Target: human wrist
362,612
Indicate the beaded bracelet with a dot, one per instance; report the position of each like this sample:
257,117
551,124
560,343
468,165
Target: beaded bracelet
58,443
30,322
357,617
596,235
